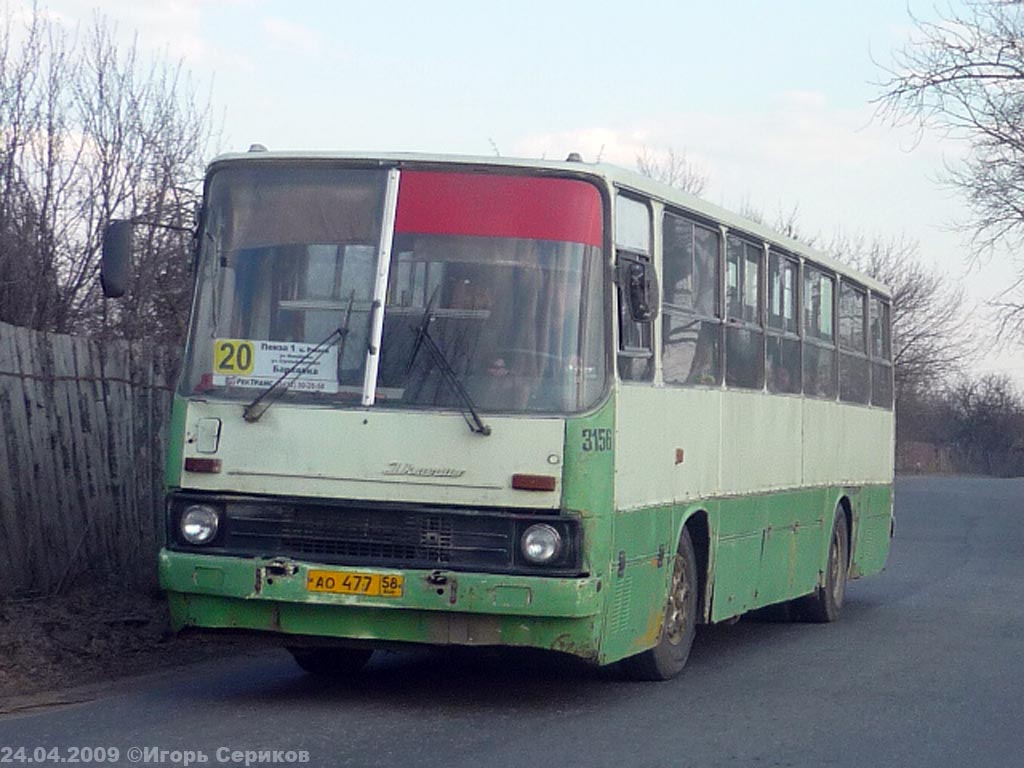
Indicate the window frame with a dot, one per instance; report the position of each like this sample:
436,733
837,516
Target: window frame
630,253
694,313
780,334
734,326
881,363
816,341
849,354
741,286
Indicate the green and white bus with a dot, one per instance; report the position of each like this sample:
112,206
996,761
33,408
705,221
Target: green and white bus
491,402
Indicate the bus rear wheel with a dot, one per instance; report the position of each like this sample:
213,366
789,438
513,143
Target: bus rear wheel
826,602
667,659
331,662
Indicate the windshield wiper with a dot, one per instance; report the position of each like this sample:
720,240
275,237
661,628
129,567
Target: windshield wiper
423,337
254,410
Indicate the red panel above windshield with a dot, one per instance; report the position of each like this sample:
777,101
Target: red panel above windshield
491,205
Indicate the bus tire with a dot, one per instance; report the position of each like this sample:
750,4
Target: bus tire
331,662
826,602
667,659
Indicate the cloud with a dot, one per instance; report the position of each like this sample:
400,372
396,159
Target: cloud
287,34
835,166
796,149
611,145
174,26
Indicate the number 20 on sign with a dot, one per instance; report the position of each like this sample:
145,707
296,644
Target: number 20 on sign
233,356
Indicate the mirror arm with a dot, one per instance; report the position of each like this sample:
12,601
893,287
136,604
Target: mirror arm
160,225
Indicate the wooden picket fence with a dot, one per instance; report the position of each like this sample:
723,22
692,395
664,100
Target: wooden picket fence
82,428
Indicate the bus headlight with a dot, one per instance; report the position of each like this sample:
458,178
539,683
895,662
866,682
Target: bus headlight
541,544
199,523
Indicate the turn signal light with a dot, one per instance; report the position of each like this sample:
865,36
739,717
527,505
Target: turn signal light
195,464
534,482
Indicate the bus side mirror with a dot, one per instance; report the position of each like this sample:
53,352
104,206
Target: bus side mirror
115,263
642,290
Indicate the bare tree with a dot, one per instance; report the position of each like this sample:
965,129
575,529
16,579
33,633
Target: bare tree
23,279
987,424
964,75
146,131
976,423
784,222
90,133
674,169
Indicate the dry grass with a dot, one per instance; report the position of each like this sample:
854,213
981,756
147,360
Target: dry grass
93,634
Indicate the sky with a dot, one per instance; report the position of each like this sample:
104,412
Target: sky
770,100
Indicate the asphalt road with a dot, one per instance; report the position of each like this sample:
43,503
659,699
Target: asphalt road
926,668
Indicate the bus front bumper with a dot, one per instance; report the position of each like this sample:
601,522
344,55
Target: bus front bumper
436,607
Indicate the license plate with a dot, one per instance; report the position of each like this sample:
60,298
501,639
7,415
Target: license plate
353,583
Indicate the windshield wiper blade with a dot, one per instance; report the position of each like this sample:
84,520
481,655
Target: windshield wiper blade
254,410
421,330
423,337
473,419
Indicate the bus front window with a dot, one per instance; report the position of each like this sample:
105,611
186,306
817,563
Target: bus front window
510,268
509,314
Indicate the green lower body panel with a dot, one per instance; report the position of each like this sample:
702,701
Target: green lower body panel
435,607
873,533
759,550
755,551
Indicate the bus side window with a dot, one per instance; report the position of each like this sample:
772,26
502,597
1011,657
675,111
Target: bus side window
854,370
744,338
819,334
634,281
782,359
636,289
881,353
691,327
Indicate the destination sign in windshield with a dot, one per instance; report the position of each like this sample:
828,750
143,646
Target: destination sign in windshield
259,364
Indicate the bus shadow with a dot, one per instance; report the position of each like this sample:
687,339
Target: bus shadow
450,679
471,678
774,629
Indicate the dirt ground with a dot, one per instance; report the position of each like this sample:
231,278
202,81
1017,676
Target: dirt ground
92,634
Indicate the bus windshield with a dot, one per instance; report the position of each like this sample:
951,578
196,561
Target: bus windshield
504,272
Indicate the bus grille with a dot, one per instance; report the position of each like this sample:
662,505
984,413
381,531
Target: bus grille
484,540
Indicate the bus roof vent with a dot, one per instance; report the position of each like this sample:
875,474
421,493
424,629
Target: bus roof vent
257,148
574,157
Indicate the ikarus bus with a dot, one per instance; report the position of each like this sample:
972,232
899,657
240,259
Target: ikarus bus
490,402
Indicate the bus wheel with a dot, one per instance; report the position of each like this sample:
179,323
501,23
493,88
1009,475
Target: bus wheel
331,662
667,659
825,603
